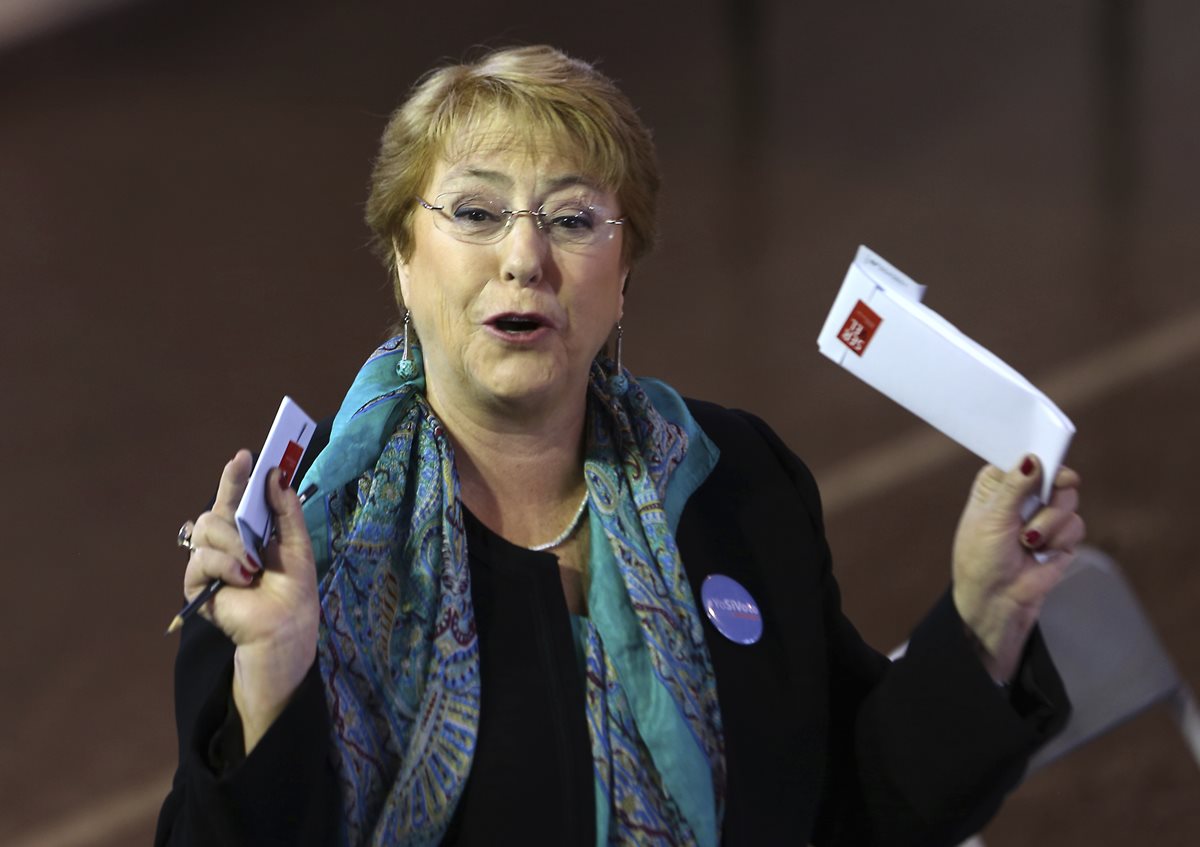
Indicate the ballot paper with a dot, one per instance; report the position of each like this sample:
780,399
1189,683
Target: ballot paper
879,330
284,448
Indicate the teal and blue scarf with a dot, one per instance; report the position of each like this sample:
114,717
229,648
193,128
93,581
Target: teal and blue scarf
398,649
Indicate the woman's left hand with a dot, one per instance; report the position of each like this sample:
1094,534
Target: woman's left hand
999,586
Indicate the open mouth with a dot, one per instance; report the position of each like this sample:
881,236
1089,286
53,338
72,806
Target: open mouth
516,324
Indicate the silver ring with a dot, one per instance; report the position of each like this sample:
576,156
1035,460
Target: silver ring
184,537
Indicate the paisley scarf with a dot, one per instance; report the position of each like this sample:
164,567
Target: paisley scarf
398,649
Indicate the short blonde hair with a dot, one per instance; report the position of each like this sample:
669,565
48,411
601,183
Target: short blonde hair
539,92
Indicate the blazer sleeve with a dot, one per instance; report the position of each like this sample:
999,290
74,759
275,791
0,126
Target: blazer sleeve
286,792
923,750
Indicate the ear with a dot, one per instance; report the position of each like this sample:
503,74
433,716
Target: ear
621,295
402,272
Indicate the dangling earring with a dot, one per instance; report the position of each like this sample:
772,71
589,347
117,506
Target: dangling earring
618,384
406,368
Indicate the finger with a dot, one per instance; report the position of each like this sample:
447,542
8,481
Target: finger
1070,535
1064,500
1066,533
220,534
207,564
1067,478
1054,529
1057,561
1065,497
233,483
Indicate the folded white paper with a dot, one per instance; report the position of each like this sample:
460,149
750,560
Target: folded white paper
284,448
879,330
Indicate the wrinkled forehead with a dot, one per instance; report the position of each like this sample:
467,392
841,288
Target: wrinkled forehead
501,150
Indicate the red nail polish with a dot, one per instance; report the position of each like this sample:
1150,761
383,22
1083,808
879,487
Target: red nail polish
1033,539
247,574
1027,467
282,480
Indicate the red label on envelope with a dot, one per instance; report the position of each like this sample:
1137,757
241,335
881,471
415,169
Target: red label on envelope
291,458
859,328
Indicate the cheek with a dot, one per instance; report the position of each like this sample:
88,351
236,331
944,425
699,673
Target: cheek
609,290
441,290
598,307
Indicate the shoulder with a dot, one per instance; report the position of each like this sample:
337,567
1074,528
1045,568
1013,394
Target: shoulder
752,453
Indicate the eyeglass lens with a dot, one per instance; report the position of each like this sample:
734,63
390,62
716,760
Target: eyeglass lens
481,220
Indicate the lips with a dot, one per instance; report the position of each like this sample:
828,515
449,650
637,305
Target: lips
517,323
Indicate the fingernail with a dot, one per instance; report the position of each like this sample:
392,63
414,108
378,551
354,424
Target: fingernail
247,574
282,481
1032,538
1027,466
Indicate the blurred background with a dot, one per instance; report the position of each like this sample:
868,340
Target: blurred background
181,196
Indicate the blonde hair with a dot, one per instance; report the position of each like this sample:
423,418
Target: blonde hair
541,94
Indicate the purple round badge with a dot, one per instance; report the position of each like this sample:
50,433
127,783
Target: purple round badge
731,609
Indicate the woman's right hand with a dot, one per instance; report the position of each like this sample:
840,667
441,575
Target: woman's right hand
271,616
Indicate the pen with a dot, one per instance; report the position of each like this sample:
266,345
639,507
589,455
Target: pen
215,586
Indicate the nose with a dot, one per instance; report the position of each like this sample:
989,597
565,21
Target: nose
524,250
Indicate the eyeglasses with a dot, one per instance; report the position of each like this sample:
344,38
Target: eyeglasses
571,224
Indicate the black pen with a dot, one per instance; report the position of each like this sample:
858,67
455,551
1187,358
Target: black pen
215,586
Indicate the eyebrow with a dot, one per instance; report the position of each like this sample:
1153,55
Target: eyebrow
504,180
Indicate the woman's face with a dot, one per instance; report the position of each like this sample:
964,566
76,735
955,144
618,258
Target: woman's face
515,322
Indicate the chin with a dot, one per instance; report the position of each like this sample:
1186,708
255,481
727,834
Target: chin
515,383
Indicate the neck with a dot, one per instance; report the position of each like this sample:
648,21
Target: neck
520,470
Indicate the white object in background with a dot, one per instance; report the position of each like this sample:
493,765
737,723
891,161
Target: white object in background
879,330
284,448
1111,662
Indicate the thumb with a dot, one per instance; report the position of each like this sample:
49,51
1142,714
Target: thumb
1020,483
289,516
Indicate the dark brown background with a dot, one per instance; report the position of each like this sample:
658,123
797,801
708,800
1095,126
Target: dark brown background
181,191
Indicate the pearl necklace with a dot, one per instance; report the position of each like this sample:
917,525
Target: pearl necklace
566,533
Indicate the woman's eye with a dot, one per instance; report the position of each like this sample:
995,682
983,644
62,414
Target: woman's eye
475,215
571,219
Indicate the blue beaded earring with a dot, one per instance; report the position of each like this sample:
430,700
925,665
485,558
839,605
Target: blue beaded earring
406,368
618,384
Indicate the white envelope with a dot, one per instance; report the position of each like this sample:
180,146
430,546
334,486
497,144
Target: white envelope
880,332
283,449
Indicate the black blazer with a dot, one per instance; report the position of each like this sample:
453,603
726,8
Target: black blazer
825,740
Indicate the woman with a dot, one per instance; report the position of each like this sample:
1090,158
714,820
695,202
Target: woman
538,601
